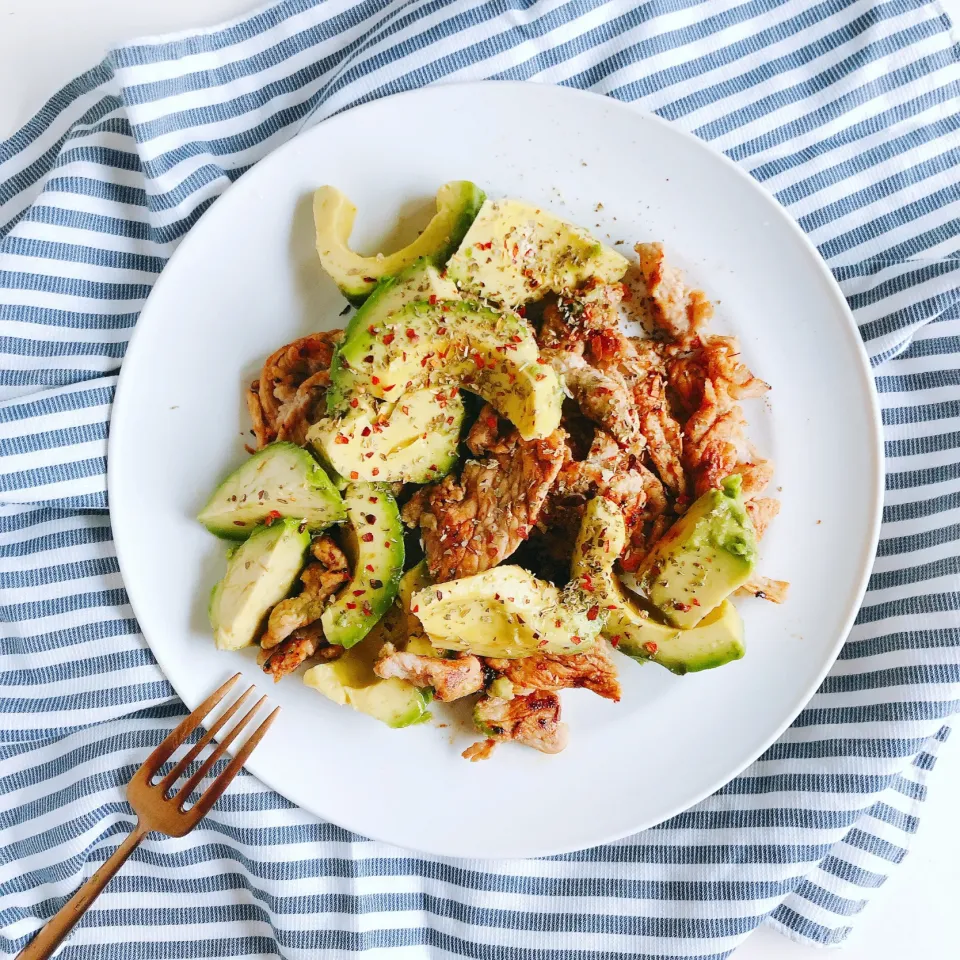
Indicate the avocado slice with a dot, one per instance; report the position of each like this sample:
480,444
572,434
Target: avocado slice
716,640
516,252
457,204
454,344
421,281
506,612
413,439
709,552
281,480
366,598
350,681
260,573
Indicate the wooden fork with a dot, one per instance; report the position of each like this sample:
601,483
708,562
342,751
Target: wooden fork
155,810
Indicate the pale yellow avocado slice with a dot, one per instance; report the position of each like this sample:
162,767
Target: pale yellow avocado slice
355,275
414,439
506,612
706,555
716,640
350,681
516,252
460,345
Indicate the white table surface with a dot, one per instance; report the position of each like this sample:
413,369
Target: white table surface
45,43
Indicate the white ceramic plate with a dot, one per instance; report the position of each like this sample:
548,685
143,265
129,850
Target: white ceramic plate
246,280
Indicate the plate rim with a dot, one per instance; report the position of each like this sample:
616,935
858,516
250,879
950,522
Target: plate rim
864,370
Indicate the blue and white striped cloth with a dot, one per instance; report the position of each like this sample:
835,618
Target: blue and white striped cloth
847,112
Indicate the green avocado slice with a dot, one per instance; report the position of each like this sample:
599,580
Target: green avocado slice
350,681
453,344
506,612
709,552
376,525
413,439
281,480
716,640
260,573
457,204
421,281
515,252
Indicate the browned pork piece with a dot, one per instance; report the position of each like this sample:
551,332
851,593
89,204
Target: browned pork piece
533,720
291,390
472,524
573,318
593,670
676,311
451,679
293,633
765,589
302,645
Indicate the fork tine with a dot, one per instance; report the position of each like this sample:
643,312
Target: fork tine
183,794
186,726
171,778
213,793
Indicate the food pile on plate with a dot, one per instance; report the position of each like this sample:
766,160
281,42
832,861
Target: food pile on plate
484,487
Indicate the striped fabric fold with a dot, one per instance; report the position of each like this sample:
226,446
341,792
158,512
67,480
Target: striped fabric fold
847,112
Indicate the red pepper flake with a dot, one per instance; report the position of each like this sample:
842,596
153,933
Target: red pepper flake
375,380
376,584
351,606
449,421
389,338
239,523
543,642
695,602
340,438
492,422
359,593
453,392
533,284
367,538
370,518
627,292
369,279
433,299
354,475
374,499
367,609
682,607
434,467
521,311
368,358
388,543
271,516
388,387
354,403
593,612
576,640
650,647
365,432
479,361
376,471
411,333
406,410
615,640
439,595
415,608
369,567
442,331
371,329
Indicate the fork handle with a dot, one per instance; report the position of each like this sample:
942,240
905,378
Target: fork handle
68,916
